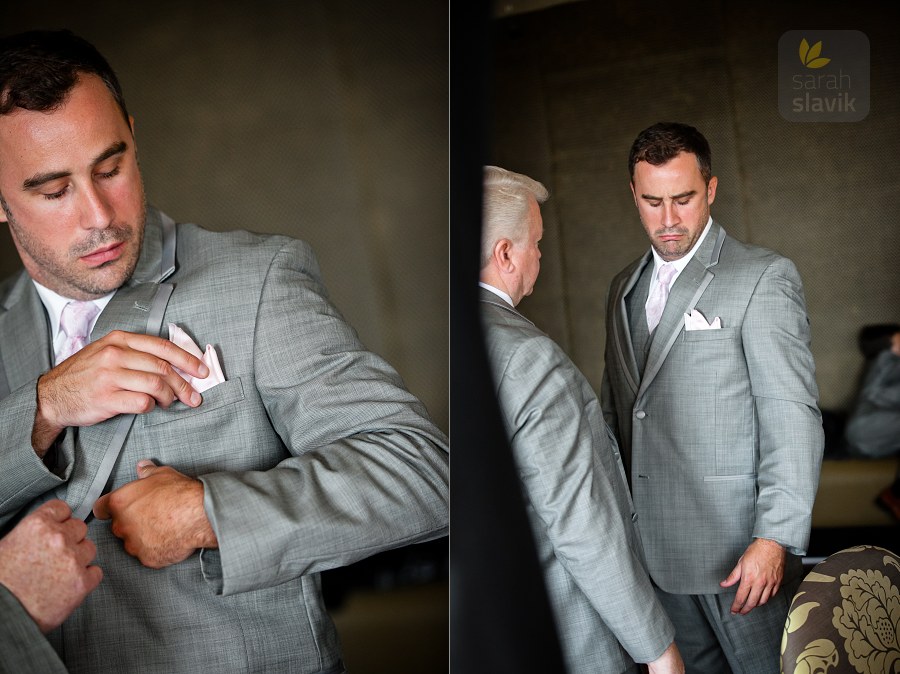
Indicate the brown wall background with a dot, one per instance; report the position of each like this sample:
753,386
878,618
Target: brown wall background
574,84
323,119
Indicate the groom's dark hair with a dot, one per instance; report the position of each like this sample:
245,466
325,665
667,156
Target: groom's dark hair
38,69
664,141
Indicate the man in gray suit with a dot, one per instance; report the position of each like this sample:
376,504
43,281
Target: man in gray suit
310,454
713,396
577,498
45,572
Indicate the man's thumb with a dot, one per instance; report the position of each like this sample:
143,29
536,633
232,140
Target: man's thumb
145,468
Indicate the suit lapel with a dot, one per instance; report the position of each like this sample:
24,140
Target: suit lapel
688,288
622,338
24,337
128,310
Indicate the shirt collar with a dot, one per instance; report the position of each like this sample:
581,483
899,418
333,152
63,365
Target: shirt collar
499,293
54,303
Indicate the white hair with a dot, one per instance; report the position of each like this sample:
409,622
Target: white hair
505,206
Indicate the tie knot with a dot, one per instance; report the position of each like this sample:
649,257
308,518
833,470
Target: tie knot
666,273
76,318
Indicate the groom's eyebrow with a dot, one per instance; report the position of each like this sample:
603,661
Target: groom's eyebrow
44,178
681,195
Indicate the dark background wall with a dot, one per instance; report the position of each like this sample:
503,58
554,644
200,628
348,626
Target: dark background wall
574,84
325,120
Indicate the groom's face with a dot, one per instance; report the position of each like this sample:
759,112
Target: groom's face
673,203
71,192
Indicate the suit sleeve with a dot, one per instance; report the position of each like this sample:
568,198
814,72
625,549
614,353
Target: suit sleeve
557,443
369,469
24,476
776,339
23,649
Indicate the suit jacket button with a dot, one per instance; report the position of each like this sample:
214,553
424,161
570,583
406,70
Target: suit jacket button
640,414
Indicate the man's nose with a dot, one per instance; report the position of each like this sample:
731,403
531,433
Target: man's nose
96,211
669,214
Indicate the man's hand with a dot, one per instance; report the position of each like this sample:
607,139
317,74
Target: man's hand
159,517
45,561
122,373
760,570
668,663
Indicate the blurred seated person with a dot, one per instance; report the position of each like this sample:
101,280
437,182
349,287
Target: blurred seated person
873,428
864,432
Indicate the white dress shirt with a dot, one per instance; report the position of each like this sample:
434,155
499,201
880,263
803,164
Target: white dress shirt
54,303
679,264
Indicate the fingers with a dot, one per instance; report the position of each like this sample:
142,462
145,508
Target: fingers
56,509
85,552
101,508
753,593
740,599
121,373
733,577
164,349
145,468
752,600
757,597
92,577
137,371
74,530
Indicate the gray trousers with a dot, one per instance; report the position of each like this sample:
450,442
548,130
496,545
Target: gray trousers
713,641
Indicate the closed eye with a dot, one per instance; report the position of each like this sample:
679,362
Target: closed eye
56,195
109,174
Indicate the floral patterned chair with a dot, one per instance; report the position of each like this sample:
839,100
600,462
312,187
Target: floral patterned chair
845,616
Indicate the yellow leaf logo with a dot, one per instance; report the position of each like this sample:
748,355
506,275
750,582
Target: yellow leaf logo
810,56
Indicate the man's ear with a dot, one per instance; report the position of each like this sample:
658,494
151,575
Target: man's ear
502,257
633,195
711,190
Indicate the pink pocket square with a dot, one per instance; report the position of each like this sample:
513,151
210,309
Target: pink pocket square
697,321
180,338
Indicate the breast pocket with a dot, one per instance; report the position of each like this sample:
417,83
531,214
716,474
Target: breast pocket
709,335
226,393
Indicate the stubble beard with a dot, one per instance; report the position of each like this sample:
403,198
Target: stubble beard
682,247
61,274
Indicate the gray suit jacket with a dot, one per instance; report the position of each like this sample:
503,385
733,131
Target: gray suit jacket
722,434
312,453
577,499
23,649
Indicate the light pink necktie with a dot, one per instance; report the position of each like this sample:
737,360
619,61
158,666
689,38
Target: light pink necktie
657,300
75,322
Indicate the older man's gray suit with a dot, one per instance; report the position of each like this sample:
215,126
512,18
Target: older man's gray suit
720,428
577,499
23,649
312,453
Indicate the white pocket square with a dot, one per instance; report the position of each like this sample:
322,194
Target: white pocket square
180,338
697,321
